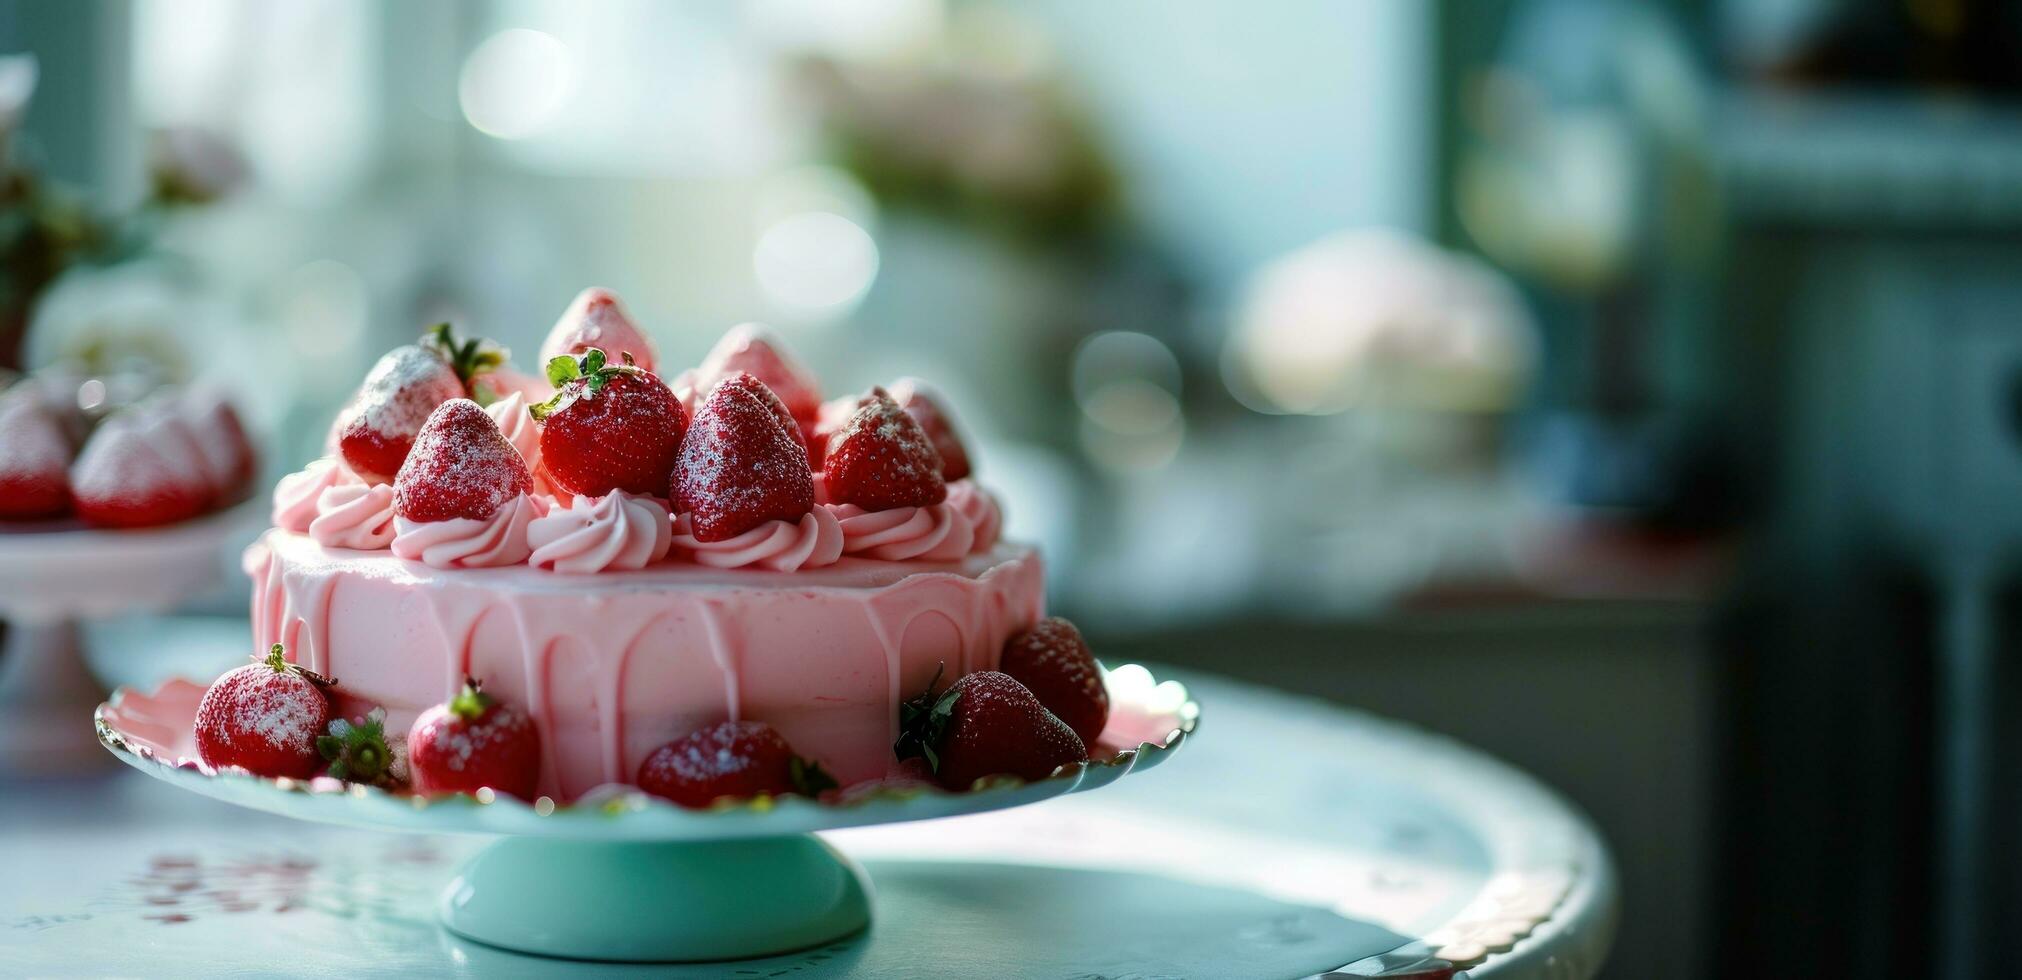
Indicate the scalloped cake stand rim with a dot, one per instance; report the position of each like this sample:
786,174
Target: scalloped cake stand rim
629,877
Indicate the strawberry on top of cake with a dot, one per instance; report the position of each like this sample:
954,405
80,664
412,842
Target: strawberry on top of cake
749,467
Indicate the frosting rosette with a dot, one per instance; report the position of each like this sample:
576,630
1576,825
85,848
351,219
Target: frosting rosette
617,531
976,504
296,496
783,546
463,542
937,532
353,515
520,429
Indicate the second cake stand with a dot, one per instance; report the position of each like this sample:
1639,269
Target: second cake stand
56,575
619,875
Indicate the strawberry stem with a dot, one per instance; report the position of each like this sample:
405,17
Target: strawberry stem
809,778
468,358
923,721
276,659
592,367
471,703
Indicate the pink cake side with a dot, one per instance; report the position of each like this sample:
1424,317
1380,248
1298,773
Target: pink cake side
615,664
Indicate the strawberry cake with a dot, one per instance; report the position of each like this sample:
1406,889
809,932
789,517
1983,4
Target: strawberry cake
716,585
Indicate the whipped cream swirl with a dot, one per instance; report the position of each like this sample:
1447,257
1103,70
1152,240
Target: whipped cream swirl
524,433
617,531
500,539
936,532
296,496
353,515
783,546
976,503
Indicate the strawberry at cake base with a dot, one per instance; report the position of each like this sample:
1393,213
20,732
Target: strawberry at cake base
614,665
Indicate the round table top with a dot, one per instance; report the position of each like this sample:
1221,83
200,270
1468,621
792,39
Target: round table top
1289,839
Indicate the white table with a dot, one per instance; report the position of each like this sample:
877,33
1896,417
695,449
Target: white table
1289,839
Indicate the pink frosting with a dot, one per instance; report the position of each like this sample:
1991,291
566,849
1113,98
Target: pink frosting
524,433
500,539
934,533
355,516
618,531
976,503
296,495
824,655
813,541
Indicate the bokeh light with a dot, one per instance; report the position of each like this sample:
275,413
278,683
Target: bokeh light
815,262
515,83
1127,386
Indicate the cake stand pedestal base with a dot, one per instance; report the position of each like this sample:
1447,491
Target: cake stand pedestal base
654,901
43,683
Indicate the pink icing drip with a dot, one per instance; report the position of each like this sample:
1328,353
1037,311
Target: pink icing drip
296,495
814,541
355,516
585,535
937,532
500,539
404,637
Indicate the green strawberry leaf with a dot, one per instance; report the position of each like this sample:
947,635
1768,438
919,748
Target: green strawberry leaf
563,369
923,722
809,778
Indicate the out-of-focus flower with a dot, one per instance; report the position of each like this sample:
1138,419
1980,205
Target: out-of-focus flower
117,321
987,140
1379,319
188,165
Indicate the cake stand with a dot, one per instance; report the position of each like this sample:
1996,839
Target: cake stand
53,576
619,875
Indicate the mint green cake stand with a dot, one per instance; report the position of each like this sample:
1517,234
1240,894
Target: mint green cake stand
619,875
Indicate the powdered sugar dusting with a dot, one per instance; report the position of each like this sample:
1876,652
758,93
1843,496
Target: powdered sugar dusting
401,390
738,468
461,466
31,440
263,719
129,458
758,351
881,459
458,745
595,318
730,759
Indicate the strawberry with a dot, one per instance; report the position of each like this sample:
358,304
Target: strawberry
264,717
461,466
736,759
139,470
34,459
474,741
985,724
609,427
739,466
834,414
924,404
376,430
757,388
880,459
1054,663
595,319
759,352
227,455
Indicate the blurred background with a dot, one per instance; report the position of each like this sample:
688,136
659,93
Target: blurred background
1632,390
